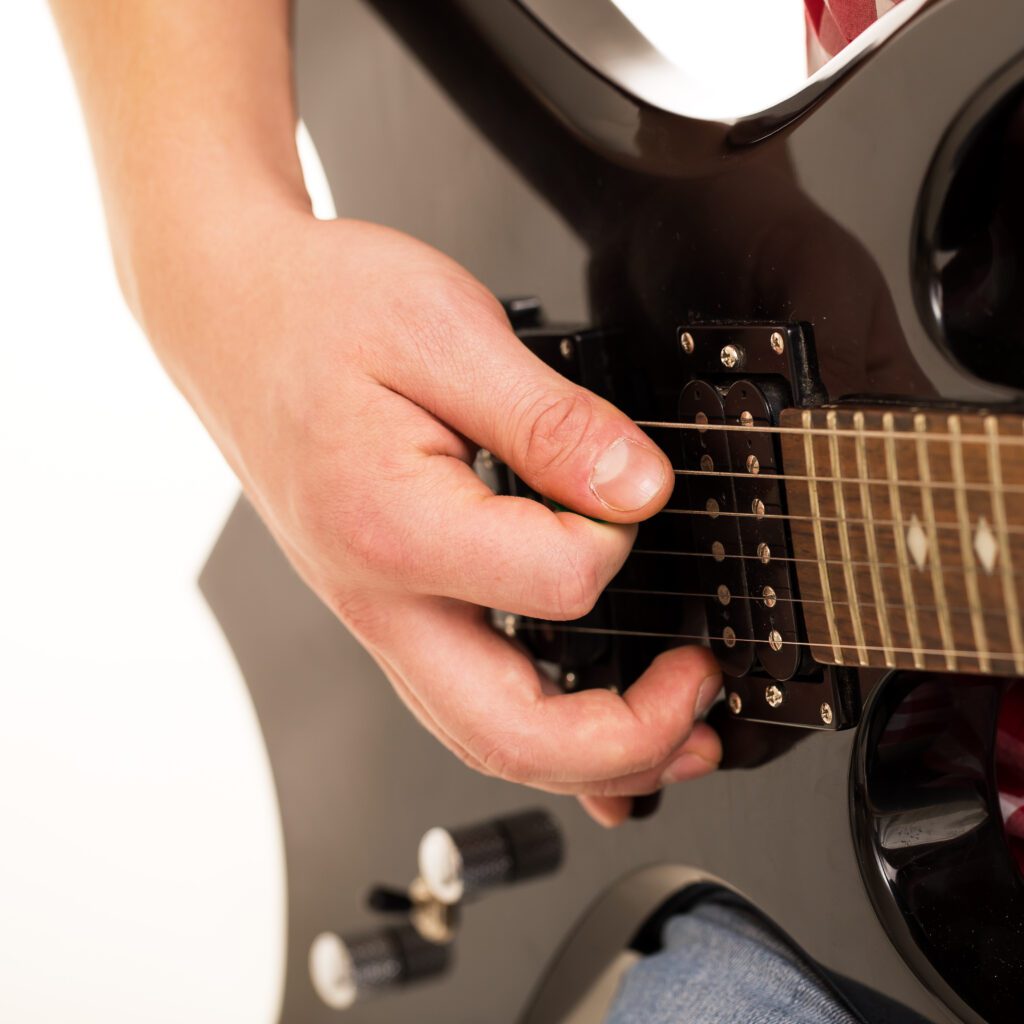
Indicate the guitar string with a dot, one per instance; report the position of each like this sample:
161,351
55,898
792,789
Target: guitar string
875,481
1002,439
639,592
964,569
848,520
651,634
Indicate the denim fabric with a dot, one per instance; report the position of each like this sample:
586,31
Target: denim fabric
719,965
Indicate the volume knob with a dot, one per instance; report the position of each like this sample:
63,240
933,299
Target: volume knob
457,864
346,968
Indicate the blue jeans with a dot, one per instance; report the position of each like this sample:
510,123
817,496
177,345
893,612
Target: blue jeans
720,965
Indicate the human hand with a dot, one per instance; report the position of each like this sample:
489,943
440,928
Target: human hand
349,372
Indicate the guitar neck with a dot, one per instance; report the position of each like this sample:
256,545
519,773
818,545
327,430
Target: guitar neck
907,531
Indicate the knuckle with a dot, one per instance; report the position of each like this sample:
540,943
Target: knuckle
553,430
504,759
572,589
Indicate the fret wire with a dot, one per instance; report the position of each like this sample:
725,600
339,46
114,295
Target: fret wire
705,640
966,547
991,612
935,484
852,521
1008,442
995,473
924,470
844,543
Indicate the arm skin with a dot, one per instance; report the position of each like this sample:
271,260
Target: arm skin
341,368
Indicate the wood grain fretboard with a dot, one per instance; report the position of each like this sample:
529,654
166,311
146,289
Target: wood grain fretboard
908,535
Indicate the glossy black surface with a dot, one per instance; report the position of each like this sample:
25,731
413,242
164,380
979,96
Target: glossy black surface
479,133
930,832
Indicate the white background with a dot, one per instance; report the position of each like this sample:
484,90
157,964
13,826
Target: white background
141,870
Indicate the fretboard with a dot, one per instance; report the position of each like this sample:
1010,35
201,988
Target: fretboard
908,536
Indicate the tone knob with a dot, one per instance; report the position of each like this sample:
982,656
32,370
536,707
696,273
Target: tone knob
346,968
457,864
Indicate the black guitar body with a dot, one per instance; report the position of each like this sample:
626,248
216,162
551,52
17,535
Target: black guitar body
877,217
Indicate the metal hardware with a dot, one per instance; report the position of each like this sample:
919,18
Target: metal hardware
510,625
686,342
764,553
757,507
707,464
746,418
731,356
735,703
770,598
729,636
569,680
775,640
712,508
718,551
701,419
774,695
778,343
753,466
565,348
826,713
724,594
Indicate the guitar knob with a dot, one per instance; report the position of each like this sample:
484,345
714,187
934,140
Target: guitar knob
457,864
348,968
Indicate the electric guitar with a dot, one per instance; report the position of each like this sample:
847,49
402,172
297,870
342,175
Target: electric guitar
816,310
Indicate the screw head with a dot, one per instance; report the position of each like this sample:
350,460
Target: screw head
510,625
753,465
778,343
701,419
569,680
712,509
773,695
718,551
724,594
746,418
729,636
731,356
826,712
757,507
764,553
707,464
686,342
775,640
735,703
769,595
566,348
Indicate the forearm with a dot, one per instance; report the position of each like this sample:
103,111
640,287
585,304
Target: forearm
190,111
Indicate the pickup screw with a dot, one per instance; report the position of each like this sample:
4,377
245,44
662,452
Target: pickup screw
566,348
486,460
746,418
718,550
764,553
569,680
826,713
724,596
686,342
775,640
753,465
773,695
712,508
731,356
735,703
707,464
757,507
701,419
509,626
729,636
768,593
778,343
